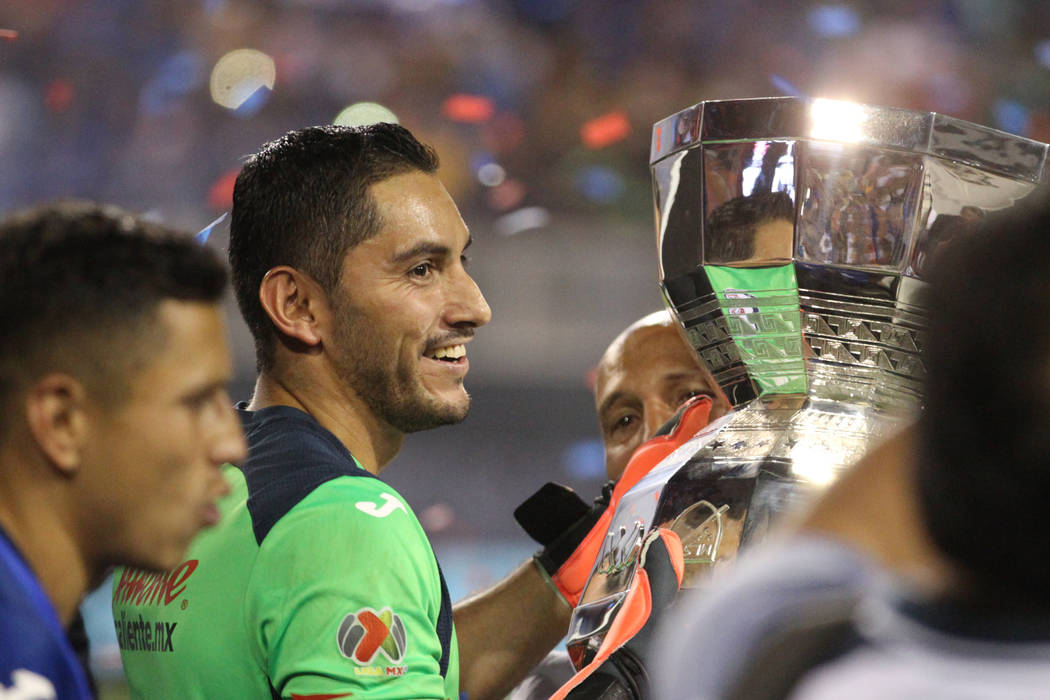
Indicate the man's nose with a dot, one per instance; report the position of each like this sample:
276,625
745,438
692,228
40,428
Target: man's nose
468,305
228,442
657,412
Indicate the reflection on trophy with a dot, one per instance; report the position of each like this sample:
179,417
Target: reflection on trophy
794,236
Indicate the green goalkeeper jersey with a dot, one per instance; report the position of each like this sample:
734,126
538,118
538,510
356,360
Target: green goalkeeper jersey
318,583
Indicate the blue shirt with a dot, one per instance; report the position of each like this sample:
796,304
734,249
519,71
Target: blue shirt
36,659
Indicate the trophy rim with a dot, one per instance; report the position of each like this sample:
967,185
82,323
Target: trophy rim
800,119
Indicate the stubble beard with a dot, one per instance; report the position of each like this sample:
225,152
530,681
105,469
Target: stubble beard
395,394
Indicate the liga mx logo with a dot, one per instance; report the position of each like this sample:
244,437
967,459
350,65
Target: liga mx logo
365,633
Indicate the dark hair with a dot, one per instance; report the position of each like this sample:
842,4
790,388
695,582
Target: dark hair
984,467
303,201
79,283
732,226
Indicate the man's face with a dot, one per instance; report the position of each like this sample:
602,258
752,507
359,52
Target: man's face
406,308
644,376
150,475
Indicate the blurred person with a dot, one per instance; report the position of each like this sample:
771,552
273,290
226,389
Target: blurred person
755,229
114,419
960,609
349,264
643,378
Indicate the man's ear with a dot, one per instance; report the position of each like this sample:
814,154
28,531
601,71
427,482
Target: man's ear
291,299
55,413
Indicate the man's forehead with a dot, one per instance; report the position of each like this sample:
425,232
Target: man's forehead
187,330
414,208
412,193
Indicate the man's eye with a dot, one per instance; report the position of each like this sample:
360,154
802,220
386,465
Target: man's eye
422,269
203,402
623,423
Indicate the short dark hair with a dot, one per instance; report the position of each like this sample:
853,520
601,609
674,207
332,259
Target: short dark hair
731,227
303,201
984,467
79,285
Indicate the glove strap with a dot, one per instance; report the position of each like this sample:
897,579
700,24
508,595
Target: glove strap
550,582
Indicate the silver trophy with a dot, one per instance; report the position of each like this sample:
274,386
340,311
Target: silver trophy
794,236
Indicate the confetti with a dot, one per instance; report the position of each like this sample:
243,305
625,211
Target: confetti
471,109
605,130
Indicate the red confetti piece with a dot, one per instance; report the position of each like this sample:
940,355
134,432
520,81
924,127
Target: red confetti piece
470,109
605,130
220,195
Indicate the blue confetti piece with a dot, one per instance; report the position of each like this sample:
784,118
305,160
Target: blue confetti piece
205,232
254,102
781,83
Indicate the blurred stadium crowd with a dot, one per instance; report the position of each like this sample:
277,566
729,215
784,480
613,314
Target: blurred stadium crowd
532,103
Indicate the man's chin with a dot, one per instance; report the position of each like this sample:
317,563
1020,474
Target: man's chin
433,414
158,562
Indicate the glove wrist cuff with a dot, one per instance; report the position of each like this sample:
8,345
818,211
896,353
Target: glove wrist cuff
537,559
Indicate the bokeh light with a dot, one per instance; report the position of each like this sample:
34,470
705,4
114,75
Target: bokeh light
833,20
521,220
491,174
59,95
242,80
469,109
600,184
605,130
1042,53
584,459
437,517
507,195
364,113
180,74
1011,115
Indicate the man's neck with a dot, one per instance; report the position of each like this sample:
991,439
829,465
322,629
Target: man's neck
371,441
49,546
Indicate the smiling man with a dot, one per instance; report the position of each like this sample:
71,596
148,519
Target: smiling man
114,419
348,257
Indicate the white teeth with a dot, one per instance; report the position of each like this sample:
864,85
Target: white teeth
451,353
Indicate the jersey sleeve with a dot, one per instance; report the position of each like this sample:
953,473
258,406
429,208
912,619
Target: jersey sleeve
345,596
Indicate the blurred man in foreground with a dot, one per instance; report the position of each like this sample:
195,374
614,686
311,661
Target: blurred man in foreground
813,617
114,419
